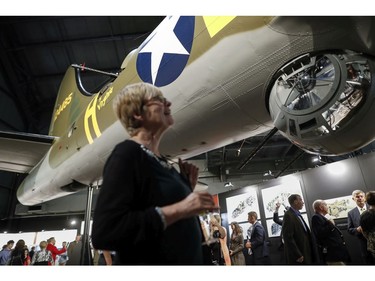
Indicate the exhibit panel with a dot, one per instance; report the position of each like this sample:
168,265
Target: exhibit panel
340,206
273,229
240,205
279,194
332,182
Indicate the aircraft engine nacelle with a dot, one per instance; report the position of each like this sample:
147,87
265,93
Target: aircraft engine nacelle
324,103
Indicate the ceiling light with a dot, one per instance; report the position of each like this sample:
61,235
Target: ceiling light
228,184
318,159
268,173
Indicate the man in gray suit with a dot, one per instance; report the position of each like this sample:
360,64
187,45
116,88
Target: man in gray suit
298,242
354,227
330,240
74,251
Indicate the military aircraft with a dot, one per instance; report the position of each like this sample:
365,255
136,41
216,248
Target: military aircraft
228,78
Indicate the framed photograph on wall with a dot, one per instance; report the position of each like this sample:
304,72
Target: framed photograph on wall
273,229
238,206
279,194
339,207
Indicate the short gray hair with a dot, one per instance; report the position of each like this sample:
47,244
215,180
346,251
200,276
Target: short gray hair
316,204
130,101
357,191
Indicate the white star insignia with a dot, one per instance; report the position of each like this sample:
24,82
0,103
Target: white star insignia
164,40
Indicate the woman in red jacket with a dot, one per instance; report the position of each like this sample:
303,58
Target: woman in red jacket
53,249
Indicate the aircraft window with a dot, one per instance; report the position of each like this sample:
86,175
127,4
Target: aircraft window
91,81
292,127
309,84
352,97
307,125
320,131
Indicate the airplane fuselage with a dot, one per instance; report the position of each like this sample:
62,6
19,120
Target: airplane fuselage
216,71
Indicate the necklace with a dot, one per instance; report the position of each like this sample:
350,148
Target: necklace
164,163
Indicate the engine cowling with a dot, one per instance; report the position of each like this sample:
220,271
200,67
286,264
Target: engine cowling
324,103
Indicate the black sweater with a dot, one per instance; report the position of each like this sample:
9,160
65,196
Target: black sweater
125,220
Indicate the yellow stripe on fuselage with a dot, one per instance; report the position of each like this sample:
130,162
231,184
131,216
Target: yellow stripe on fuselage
91,112
215,24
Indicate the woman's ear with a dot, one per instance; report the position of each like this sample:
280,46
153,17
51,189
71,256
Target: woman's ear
137,117
137,121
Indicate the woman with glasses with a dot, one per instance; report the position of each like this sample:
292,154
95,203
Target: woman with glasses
146,210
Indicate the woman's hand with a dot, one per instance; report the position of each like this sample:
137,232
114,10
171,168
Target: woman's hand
198,202
194,204
189,171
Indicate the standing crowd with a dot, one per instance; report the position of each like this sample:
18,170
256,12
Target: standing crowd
21,255
325,243
45,254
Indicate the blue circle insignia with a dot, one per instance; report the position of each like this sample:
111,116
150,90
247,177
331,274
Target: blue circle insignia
164,56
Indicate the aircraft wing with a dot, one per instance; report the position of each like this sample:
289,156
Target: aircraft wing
20,152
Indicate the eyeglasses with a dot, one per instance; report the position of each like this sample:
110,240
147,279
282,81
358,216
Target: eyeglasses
157,100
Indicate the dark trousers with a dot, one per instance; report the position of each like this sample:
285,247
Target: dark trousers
366,256
255,260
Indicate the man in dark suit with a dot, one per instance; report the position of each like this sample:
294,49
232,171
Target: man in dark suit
257,245
74,251
298,242
354,227
279,222
331,243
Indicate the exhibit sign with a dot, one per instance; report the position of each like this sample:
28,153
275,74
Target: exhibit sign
339,207
240,205
279,194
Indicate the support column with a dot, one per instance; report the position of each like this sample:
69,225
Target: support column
86,256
